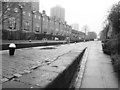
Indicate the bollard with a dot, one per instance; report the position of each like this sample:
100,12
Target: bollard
12,48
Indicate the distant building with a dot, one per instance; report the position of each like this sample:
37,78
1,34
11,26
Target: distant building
34,3
75,26
58,12
0,15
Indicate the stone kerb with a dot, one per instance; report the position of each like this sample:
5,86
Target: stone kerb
63,80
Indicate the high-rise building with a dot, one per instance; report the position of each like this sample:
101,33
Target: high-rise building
58,12
75,26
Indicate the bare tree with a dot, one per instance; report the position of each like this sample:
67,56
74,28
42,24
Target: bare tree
114,17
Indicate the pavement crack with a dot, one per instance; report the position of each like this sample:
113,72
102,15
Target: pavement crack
60,56
47,62
12,78
55,66
35,67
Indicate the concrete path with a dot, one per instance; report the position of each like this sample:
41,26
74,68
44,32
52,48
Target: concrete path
99,71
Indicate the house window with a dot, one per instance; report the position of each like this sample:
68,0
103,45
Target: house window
46,20
12,23
35,16
37,29
16,10
43,18
29,14
23,12
26,26
39,17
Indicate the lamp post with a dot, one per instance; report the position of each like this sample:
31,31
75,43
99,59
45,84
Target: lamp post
59,27
12,23
41,22
54,24
21,19
44,24
10,26
85,35
33,12
42,19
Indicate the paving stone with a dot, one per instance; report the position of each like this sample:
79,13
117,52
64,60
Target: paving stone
38,77
4,80
7,75
8,70
65,60
27,71
21,68
16,84
9,63
17,75
51,68
34,67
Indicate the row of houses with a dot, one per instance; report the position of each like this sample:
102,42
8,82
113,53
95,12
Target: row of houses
20,21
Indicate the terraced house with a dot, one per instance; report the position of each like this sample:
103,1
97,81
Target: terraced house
22,21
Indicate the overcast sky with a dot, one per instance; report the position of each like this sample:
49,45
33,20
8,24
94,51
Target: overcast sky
84,12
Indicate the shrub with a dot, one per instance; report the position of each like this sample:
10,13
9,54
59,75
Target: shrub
116,62
107,47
